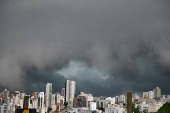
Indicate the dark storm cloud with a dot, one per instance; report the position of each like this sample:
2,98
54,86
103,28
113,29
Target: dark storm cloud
39,79
127,40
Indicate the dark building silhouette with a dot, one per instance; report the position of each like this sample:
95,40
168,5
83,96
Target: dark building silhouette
79,102
129,102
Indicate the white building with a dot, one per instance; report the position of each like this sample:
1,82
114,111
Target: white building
116,99
6,94
77,110
3,108
53,99
49,88
22,95
88,97
92,106
47,100
35,104
57,97
62,99
73,110
149,94
16,100
122,98
42,110
111,99
143,106
70,89
21,101
101,103
114,110
41,99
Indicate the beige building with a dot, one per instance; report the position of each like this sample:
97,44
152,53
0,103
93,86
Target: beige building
157,92
146,98
154,107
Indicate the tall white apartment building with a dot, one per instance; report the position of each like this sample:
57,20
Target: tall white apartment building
41,99
57,97
70,87
47,100
122,98
53,99
49,88
151,94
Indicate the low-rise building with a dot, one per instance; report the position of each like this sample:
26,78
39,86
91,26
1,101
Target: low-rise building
114,110
154,107
92,106
143,106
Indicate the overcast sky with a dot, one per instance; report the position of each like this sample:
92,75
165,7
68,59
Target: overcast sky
108,46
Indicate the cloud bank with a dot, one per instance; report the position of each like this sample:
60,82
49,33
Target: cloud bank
126,42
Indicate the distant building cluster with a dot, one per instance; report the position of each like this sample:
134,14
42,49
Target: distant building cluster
66,101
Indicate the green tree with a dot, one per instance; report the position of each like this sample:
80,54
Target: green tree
135,110
49,109
133,107
65,104
165,108
101,108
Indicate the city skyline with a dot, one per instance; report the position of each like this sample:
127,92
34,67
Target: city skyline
152,101
150,93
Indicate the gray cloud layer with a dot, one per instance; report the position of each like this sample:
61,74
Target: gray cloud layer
127,40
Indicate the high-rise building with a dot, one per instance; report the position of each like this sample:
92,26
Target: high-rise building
6,94
129,102
151,94
116,99
47,100
52,99
21,101
70,87
63,92
157,92
122,98
49,88
41,99
57,97
35,103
